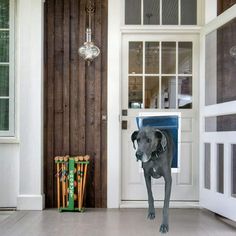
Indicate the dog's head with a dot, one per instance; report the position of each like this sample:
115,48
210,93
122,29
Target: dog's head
151,141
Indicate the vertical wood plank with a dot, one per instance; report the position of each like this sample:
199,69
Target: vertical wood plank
97,111
66,79
75,75
58,70
104,103
82,93
49,142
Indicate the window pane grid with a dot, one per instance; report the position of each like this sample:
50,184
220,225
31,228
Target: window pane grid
167,90
6,66
4,14
161,12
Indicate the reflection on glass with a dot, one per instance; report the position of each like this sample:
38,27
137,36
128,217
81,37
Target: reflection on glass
220,123
132,12
4,14
185,57
170,12
152,57
135,92
4,46
233,175
135,57
151,92
151,12
4,114
220,65
188,12
207,166
168,58
168,92
220,168
4,80
184,92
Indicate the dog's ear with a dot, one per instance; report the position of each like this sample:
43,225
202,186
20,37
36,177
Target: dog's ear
161,147
158,134
134,137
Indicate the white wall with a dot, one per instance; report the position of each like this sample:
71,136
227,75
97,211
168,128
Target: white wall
113,109
22,164
30,72
9,181
210,10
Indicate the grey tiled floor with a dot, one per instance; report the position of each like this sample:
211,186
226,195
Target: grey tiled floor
112,222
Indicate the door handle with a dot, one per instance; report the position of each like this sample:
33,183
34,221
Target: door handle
104,117
124,124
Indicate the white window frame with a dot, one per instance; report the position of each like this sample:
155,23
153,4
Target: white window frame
11,97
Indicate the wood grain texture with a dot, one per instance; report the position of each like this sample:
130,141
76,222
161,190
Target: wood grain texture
223,5
75,98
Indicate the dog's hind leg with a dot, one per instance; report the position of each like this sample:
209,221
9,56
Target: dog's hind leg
164,228
151,209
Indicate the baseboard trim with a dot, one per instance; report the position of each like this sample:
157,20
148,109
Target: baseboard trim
159,204
31,202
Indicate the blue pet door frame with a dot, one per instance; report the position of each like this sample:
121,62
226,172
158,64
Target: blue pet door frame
164,121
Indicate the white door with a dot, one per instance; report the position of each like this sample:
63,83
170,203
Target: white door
218,115
160,74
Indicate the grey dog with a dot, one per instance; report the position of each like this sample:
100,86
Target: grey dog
155,151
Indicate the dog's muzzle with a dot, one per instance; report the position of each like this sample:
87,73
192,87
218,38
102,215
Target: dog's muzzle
142,156
139,155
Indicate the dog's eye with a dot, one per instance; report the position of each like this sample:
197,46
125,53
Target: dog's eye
138,140
149,140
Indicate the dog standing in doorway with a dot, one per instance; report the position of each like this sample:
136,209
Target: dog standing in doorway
155,151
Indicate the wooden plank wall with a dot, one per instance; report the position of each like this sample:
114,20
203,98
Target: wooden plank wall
223,5
75,95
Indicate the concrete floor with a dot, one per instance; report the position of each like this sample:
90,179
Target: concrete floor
112,222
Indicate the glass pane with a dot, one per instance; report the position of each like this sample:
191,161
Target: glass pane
4,80
188,12
4,14
4,46
220,168
184,92
168,58
135,57
220,64
207,166
132,12
135,92
168,92
4,114
170,12
151,14
151,92
185,57
152,57
220,123
233,176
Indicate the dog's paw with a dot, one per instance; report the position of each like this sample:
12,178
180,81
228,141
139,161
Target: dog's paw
164,228
151,215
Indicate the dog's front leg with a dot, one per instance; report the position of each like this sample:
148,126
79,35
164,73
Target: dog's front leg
151,210
165,221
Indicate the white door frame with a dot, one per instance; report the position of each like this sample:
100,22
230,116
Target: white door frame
220,203
115,30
